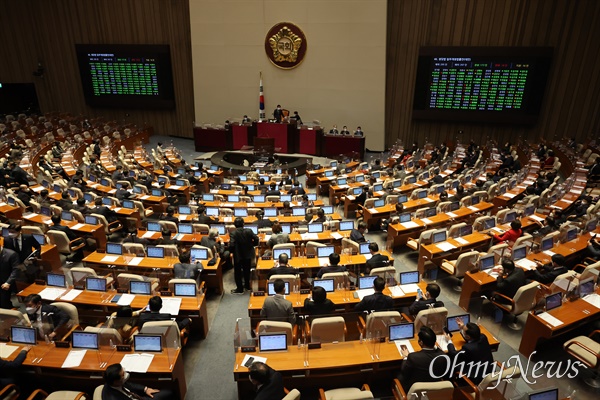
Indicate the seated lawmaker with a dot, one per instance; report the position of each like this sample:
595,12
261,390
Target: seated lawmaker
476,351
334,260
154,314
357,234
510,235
268,382
282,267
118,387
377,259
429,299
377,301
419,365
45,318
186,270
510,279
7,368
277,307
318,303
546,274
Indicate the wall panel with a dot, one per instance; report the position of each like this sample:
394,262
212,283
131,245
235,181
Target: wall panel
572,98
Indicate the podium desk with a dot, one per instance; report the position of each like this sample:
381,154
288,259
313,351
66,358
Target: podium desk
242,135
283,134
45,360
435,254
309,140
211,139
336,364
98,305
334,145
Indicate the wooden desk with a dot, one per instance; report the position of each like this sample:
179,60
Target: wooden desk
211,139
348,145
97,232
98,306
434,254
10,212
311,176
335,191
166,370
373,216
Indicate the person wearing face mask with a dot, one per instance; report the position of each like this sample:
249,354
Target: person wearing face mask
48,319
278,114
9,261
118,387
23,244
24,195
344,131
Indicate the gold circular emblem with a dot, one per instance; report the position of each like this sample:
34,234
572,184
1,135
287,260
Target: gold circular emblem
285,45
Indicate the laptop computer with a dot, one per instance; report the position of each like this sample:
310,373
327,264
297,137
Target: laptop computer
315,227
366,282
142,342
407,278
140,287
198,254
41,239
85,340
271,288
487,262
153,227
325,251
155,252
185,228
346,225
298,211
272,342
95,284
23,335
91,220
401,331
185,289
57,280
270,212
185,210
586,287
439,237
553,301
452,324
114,248
363,248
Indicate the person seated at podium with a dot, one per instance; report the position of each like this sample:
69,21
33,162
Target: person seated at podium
334,260
429,299
278,114
246,120
261,222
320,216
261,186
118,387
510,235
82,207
317,303
296,118
547,273
281,267
46,318
297,189
99,208
133,237
65,201
418,366
277,307
334,130
359,132
268,382
377,301
153,314
345,131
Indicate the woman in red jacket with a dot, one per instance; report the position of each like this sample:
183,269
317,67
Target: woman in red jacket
510,235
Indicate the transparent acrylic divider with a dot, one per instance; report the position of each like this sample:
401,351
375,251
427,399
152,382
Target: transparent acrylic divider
243,335
108,339
171,344
254,280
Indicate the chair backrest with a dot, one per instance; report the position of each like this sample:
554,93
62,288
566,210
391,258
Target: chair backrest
124,278
328,329
498,250
60,240
276,327
201,228
171,250
465,262
106,335
352,394
311,247
289,278
173,281
98,392
78,274
12,317
435,318
526,239
294,394
350,244
440,390
492,379
168,329
340,279
71,310
134,248
379,321
562,282
454,230
32,230
387,273
588,272
170,225
525,298
426,237
289,246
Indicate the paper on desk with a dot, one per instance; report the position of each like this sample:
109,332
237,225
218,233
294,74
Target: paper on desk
410,288
526,264
461,240
50,293
549,253
536,217
135,261
227,204
74,358
144,197
267,237
426,221
323,261
404,343
117,209
6,350
451,215
442,342
473,208
214,191
445,246
510,195
71,294
110,258
427,199
174,187
527,183
593,299
336,235
77,226
137,362
227,219
309,236
567,201
126,299
350,197
171,305
396,291
148,234
364,292
409,224
550,319
343,186
373,210
256,359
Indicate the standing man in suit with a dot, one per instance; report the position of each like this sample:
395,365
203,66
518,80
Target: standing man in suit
268,382
117,387
416,366
476,350
278,113
510,278
9,261
22,243
46,318
241,244
377,301
277,307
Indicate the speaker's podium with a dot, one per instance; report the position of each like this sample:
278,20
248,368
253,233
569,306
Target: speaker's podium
283,135
264,146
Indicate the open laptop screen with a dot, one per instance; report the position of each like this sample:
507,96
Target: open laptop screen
272,342
57,280
85,340
401,331
147,342
327,284
184,289
140,287
452,324
325,251
366,282
23,335
407,278
271,288
553,301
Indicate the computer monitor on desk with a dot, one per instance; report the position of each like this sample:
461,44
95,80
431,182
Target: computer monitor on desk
378,203
546,394
185,210
346,225
233,198
553,301
270,212
327,284
452,323
325,251
272,342
185,228
240,212
56,280
278,252
466,230
91,220
439,237
489,223
143,342
404,331
208,197
519,252
529,210
155,252
85,340
547,243
364,248
220,228
128,204
185,289
586,287
298,211
315,227
487,262
407,278
571,234
41,239
198,254
114,248
140,287
510,216
95,284
475,200
286,228
404,217
153,227
23,335
271,288
66,216
327,209
212,211
366,282
285,197
258,198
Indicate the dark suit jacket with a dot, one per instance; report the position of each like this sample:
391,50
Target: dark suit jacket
66,205
20,176
378,260
278,114
70,234
25,198
326,270
357,236
206,220
377,302
273,193
28,242
241,244
283,270
109,214
546,275
273,389
508,286
264,223
416,367
420,305
58,316
9,260
170,218
314,309
479,351
6,365
109,393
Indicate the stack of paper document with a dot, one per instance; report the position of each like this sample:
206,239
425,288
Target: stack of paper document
148,234
442,342
396,291
473,208
410,288
137,362
593,299
526,264
445,246
364,292
550,319
461,240
110,258
171,305
6,350
74,359
255,359
77,226
426,221
51,293
71,294
310,236
126,299
336,235
409,224
451,215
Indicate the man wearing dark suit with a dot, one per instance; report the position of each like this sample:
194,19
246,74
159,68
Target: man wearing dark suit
318,304
56,226
476,350
24,195
417,366
169,215
41,315
261,222
8,367
334,260
203,218
109,214
428,300
65,201
241,245
278,114
377,301
117,387
155,304
21,243
268,382
273,190
9,260
283,268
377,259
277,307
510,278
546,274
357,234
134,238
297,189
18,174
82,207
